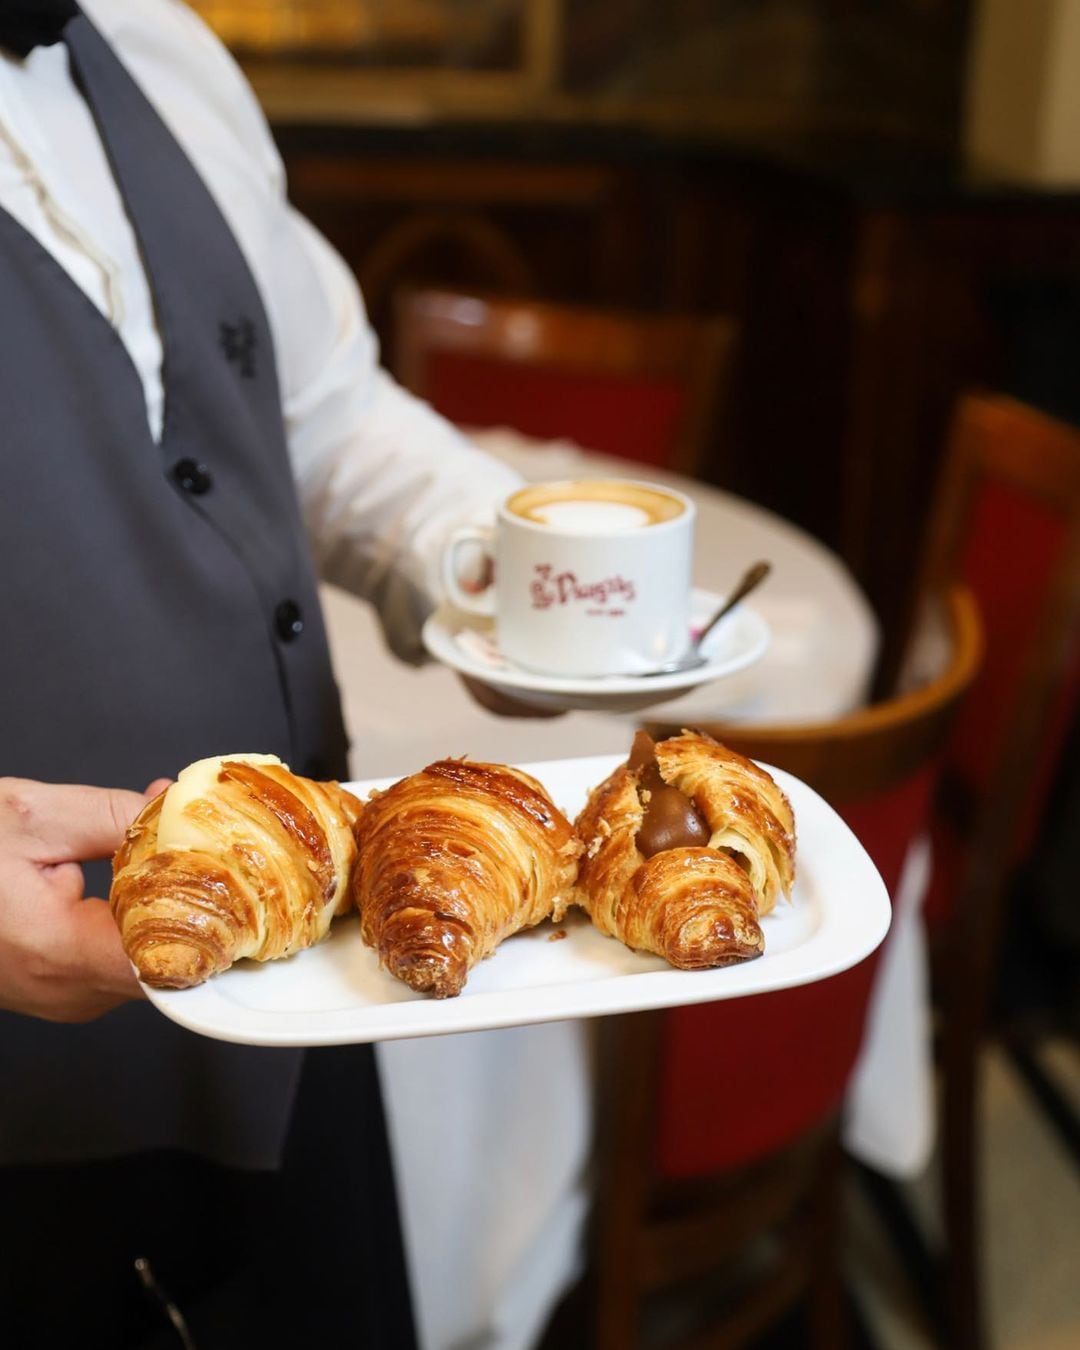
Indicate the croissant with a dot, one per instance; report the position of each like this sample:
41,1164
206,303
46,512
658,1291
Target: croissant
237,858
451,861
686,845
746,813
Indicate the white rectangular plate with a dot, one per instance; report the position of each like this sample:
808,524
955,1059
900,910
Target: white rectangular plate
336,994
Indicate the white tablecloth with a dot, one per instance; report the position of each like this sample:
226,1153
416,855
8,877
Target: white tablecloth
491,1130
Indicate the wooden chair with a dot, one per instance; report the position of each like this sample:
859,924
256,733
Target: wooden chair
646,388
718,1139
1006,522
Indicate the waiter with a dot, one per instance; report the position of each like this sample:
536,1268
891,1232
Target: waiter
192,407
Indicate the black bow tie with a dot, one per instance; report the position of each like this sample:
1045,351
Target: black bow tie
26,24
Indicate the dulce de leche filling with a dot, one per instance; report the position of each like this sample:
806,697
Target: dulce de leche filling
670,819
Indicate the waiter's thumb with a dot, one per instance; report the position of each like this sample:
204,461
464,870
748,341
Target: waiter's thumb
73,823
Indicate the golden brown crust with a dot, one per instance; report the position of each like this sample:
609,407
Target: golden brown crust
264,869
696,907
692,906
747,812
451,861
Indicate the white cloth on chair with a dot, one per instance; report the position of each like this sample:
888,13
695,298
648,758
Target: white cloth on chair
889,1121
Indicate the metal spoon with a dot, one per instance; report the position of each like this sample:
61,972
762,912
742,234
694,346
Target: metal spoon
753,578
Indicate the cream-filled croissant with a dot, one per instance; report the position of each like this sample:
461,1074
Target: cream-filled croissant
686,845
454,859
237,858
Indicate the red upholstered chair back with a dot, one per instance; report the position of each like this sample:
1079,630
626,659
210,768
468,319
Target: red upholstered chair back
1007,523
645,388
794,1051
786,1058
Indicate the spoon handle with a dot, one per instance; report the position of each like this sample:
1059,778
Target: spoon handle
750,581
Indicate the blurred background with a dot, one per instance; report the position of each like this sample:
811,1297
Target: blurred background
877,191
883,198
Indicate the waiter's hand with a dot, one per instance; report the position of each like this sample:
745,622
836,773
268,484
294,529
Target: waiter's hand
495,701
60,955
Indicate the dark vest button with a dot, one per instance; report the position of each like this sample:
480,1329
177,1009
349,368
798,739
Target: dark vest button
288,621
192,476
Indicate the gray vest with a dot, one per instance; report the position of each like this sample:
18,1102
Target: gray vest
160,605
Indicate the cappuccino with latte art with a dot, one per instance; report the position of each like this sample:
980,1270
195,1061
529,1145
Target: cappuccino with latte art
600,506
591,577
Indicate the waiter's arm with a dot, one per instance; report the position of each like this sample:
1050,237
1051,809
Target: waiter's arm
383,478
60,954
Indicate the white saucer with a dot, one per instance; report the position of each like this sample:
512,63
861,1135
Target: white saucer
469,646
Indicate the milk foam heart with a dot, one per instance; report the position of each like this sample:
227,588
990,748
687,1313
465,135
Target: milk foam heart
590,517
595,506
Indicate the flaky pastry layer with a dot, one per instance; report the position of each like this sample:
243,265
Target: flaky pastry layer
454,859
258,865
698,907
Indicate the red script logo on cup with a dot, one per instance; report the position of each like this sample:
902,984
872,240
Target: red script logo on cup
563,588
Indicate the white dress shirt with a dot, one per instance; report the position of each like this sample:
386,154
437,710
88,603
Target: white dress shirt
382,479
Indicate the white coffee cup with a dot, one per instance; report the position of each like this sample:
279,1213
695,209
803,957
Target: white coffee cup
591,576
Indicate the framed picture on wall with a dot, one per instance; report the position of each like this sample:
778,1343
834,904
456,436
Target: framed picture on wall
327,59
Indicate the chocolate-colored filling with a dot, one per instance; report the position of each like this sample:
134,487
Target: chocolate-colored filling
670,819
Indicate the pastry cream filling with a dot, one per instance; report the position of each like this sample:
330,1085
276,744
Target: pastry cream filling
176,827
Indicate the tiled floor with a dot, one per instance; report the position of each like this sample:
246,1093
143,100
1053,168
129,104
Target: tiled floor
1031,1189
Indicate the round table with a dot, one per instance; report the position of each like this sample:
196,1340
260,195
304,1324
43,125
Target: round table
492,1131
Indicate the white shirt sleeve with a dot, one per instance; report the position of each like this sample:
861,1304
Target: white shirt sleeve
382,478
